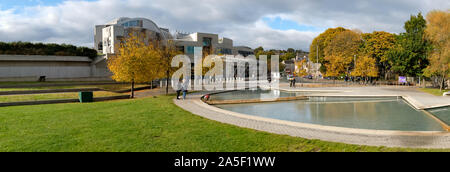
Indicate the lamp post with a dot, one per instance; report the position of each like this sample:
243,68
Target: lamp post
317,61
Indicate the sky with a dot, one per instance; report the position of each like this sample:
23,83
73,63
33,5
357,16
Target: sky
273,24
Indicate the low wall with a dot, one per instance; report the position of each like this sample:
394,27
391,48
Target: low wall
218,102
54,68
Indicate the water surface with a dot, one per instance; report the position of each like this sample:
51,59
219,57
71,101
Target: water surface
364,113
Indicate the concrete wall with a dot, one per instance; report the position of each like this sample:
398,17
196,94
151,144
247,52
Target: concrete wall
30,68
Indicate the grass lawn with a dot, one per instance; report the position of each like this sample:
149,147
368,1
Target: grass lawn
434,91
111,87
148,124
52,96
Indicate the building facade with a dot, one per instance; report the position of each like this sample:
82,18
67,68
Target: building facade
108,36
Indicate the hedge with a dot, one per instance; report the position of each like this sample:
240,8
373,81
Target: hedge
28,48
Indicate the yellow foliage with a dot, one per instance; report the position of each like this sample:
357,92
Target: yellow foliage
135,61
336,65
299,69
365,67
340,52
438,32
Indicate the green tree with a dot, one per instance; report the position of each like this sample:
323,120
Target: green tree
409,55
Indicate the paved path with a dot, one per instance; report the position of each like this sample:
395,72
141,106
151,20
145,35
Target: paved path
152,92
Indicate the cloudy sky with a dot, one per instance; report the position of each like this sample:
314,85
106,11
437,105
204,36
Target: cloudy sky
279,24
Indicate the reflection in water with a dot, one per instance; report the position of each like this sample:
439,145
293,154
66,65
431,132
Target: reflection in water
365,113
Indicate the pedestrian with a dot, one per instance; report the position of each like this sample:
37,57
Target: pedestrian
179,87
184,89
293,80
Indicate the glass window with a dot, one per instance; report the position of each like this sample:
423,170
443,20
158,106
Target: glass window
190,50
206,41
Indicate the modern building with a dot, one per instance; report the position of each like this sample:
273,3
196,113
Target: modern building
208,42
243,50
108,36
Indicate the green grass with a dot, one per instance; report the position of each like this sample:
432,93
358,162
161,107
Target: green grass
111,87
434,91
7,83
53,96
149,124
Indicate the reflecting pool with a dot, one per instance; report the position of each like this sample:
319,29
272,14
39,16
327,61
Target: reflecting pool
363,113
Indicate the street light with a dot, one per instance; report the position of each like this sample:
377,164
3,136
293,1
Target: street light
317,62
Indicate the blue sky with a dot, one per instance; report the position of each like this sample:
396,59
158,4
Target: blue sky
7,4
286,24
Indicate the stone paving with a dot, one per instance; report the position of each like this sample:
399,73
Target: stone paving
415,139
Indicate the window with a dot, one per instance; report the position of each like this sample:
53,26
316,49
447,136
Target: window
190,50
135,23
206,41
180,48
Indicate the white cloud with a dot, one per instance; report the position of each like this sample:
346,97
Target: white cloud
73,21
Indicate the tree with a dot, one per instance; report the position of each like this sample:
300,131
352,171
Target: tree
409,55
377,45
288,56
340,52
438,33
316,49
135,62
166,52
290,50
365,67
300,68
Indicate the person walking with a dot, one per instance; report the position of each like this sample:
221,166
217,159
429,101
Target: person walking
184,89
293,81
179,88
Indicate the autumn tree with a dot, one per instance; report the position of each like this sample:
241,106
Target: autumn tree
318,45
300,68
377,45
135,62
365,67
166,52
341,51
438,33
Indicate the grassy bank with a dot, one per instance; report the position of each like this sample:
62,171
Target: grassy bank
148,124
52,96
434,91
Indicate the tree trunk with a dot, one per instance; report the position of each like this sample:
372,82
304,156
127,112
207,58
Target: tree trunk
167,82
424,83
442,83
132,89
